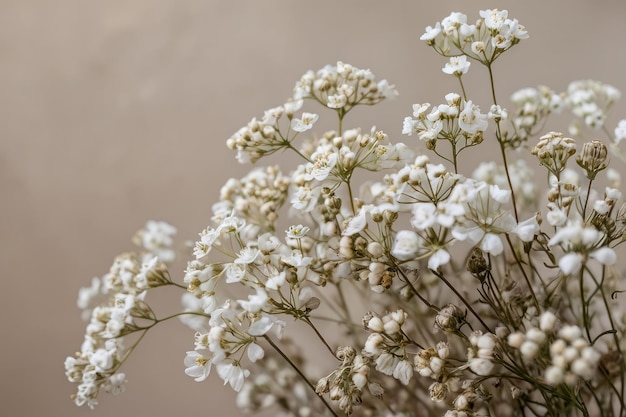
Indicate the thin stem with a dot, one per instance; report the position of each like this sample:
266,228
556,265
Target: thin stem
584,305
299,372
587,199
502,148
521,267
319,335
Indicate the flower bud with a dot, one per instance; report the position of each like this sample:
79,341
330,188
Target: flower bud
450,318
593,158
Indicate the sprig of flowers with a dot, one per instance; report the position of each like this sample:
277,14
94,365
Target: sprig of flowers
450,293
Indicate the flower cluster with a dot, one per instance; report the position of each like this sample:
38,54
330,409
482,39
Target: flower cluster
115,306
480,292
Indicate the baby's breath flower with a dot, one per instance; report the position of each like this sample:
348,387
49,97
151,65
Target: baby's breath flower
297,232
592,158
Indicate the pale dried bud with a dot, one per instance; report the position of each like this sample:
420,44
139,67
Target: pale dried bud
593,158
438,391
450,318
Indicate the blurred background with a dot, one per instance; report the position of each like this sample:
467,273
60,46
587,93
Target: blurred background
116,112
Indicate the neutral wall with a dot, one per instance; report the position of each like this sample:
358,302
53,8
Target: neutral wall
115,112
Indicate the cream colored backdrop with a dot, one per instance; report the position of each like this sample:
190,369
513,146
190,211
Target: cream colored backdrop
115,112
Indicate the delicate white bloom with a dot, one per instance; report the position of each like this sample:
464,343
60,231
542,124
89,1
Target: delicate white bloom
494,18
297,232
431,33
527,229
458,65
604,255
492,243
247,255
438,258
232,374
261,326
304,123
198,365
255,302
403,372
337,101
406,245
386,363
471,120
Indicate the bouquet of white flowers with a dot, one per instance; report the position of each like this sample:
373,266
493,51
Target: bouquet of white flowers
431,291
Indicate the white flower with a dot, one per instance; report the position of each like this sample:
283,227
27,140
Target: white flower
471,120
403,371
297,232
481,366
102,359
247,255
458,65
231,373
198,365
406,245
527,229
491,243
337,101
430,33
494,18
305,123
261,326
255,302
438,258
604,255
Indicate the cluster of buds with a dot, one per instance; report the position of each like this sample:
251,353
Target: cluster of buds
529,343
553,150
431,362
263,136
342,87
480,353
345,384
115,307
572,358
386,344
257,197
592,158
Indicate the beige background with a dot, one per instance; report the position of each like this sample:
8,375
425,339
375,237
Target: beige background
114,112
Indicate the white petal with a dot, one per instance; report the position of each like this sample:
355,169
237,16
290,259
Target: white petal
255,352
440,257
492,244
261,326
570,263
604,255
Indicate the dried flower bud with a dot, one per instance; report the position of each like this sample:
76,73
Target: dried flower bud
477,264
553,151
438,391
322,385
450,318
593,158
